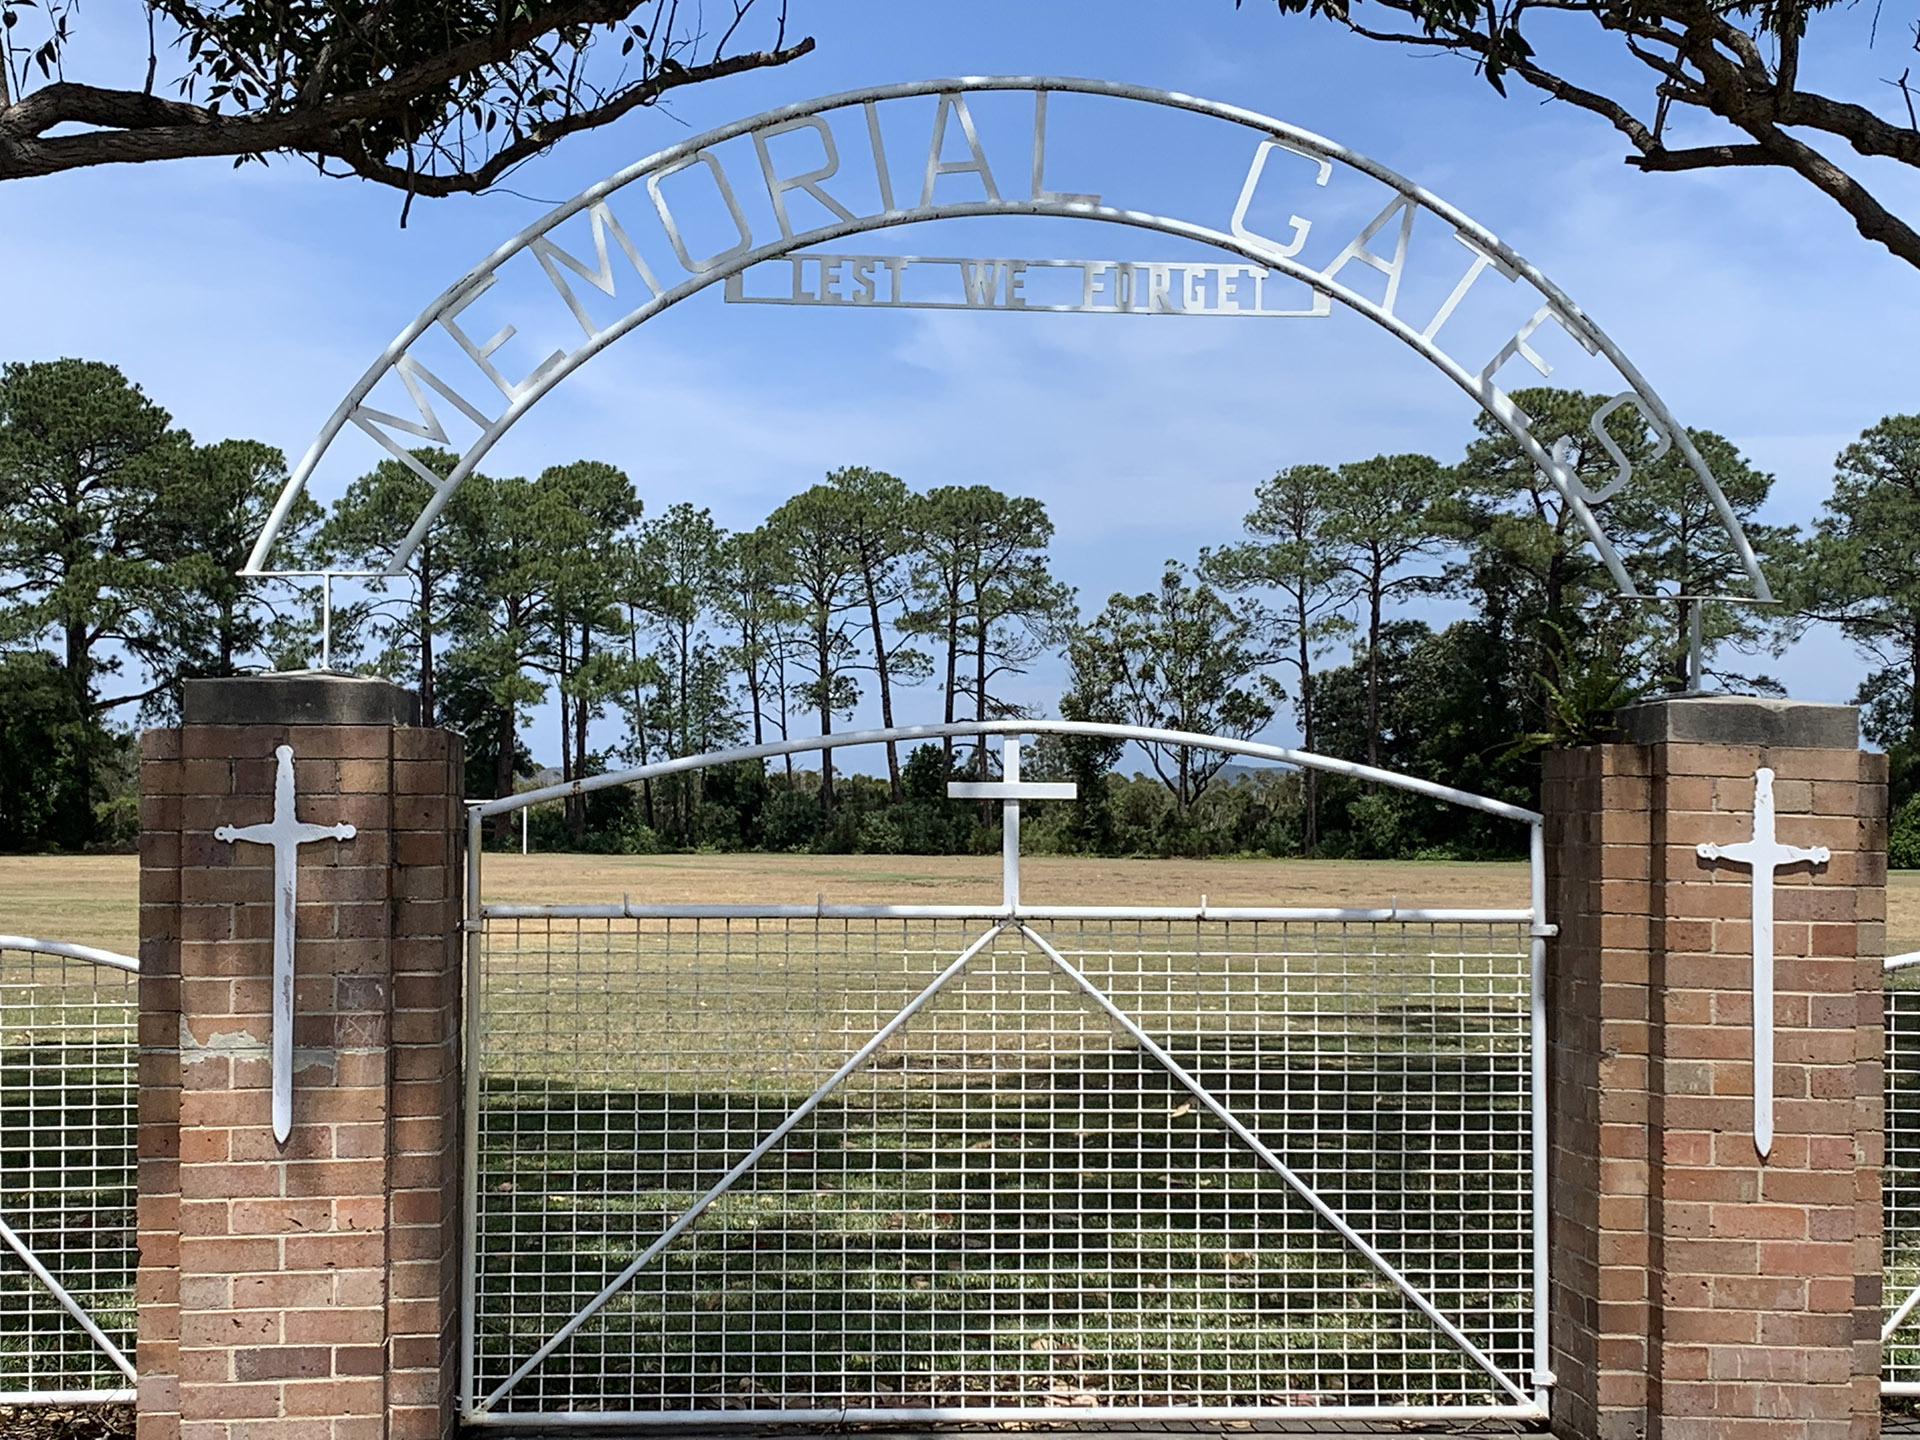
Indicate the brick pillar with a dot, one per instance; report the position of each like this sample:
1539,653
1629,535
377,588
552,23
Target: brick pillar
305,1291
1698,1292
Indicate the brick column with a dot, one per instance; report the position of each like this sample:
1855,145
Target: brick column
1698,1292
305,1291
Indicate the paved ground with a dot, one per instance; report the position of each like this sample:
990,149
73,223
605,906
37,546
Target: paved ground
62,1422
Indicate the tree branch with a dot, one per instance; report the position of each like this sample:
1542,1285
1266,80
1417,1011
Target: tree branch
67,102
519,151
113,704
138,127
1716,67
1702,157
1865,131
1870,217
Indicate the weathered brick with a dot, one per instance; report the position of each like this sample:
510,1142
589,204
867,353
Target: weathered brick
1753,1277
277,1262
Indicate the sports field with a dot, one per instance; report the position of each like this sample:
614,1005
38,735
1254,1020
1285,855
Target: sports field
93,899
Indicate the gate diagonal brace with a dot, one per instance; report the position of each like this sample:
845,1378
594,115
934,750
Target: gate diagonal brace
73,1307
1273,1162
1899,1316
746,1163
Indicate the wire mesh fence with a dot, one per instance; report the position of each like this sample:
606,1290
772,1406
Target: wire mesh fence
1900,1177
1012,1204
67,1173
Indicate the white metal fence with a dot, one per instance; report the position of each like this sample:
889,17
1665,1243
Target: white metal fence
875,1164
67,1172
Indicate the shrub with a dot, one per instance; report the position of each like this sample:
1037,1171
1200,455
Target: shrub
1903,837
791,821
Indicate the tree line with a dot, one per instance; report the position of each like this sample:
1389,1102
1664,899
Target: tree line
662,634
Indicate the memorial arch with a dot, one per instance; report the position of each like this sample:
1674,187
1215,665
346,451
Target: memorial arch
846,168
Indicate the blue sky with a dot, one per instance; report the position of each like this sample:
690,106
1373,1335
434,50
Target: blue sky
248,301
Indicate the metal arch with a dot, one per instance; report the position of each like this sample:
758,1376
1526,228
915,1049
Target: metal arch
1481,387
1253,749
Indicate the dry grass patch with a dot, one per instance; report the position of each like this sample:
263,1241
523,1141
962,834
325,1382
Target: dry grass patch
94,899
967,879
83,899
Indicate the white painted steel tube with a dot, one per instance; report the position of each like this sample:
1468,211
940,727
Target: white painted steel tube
1537,1059
1010,826
1892,962
625,911
1063,1415
1899,1317
470,1118
70,952
1252,749
68,1397
1575,319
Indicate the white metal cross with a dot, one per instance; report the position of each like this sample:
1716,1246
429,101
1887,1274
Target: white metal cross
286,835
1765,855
1010,790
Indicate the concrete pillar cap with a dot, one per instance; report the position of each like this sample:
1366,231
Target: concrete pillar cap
1740,720
298,697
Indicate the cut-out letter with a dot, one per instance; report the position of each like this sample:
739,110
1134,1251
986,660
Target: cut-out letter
975,164
551,257
1518,344
1039,191
1481,260
482,353
719,257
1357,249
377,423
808,180
1301,228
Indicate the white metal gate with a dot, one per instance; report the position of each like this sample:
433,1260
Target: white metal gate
1004,1162
1900,1180
67,1172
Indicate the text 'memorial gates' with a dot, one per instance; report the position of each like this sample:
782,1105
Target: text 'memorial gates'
745,207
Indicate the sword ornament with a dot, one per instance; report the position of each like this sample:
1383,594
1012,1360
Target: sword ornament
285,834
1764,854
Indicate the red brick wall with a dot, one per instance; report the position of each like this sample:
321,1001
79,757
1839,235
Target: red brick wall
305,1292
1698,1292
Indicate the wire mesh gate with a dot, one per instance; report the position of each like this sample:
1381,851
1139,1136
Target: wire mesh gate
822,1164
67,1172
1036,1193
1900,1180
